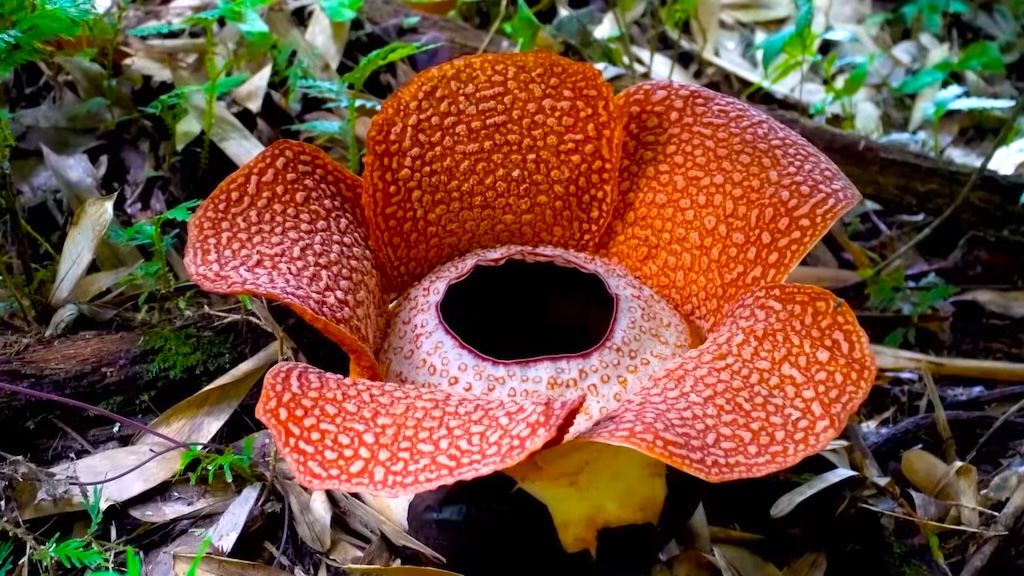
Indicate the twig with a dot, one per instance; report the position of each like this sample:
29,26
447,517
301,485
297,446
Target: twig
494,28
1005,416
1004,522
961,197
78,437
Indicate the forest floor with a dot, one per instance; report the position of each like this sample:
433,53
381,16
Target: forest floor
121,117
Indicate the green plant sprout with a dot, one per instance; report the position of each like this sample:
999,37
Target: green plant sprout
154,274
892,292
229,463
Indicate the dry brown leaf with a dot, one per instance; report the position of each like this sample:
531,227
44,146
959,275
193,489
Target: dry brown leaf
184,500
328,38
230,135
97,467
160,562
198,417
93,284
251,93
229,526
705,25
756,11
313,526
1005,482
211,565
371,519
956,483
810,564
88,227
743,562
1007,303
1009,158
790,500
195,419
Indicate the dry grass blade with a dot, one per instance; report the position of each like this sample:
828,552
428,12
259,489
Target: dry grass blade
790,500
90,224
358,570
831,278
895,359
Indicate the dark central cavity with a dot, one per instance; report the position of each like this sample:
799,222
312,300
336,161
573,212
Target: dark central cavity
519,310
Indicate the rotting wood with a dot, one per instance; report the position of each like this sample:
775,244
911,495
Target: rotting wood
907,182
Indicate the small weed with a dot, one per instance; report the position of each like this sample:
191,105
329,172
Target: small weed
154,274
228,463
892,292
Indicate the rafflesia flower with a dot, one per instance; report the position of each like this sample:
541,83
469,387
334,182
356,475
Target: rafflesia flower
689,208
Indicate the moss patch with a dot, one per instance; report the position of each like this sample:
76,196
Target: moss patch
183,352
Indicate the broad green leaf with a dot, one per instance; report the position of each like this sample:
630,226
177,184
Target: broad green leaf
773,45
523,27
922,79
981,56
341,10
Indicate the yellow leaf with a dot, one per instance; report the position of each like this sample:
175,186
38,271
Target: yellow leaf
588,486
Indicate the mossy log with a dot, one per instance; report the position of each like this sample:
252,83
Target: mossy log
121,371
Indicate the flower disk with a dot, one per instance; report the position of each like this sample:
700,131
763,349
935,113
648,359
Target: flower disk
490,150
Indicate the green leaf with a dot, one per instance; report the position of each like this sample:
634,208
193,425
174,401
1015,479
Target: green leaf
322,127
773,45
341,10
6,560
855,80
981,56
523,27
180,213
382,57
922,79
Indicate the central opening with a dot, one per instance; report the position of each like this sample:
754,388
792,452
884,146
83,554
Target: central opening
519,310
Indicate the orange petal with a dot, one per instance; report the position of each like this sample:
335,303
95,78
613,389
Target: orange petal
288,226
391,439
775,383
716,197
489,150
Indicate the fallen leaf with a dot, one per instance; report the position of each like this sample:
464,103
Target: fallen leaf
229,526
744,562
212,565
308,516
93,284
956,483
372,522
790,500
810,564
692,563
88,227
230,135
328,38
198,417
1007,303
251,93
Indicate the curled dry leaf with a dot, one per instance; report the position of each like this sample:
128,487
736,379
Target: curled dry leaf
790,500
956,483
88,227
1007,303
